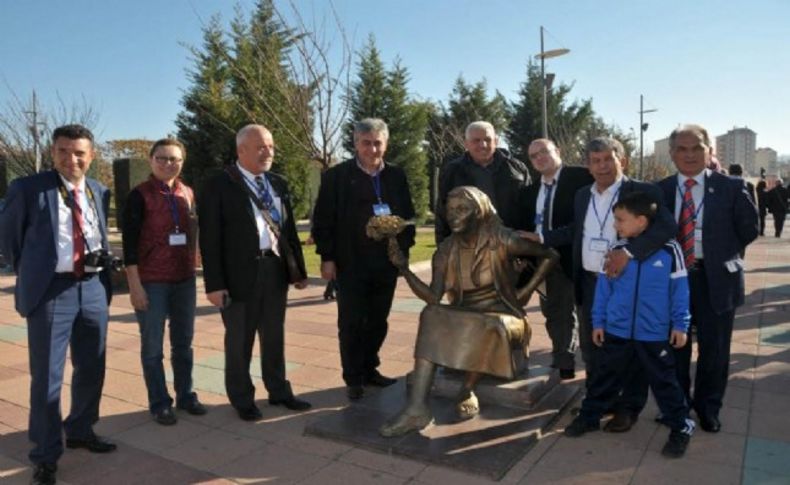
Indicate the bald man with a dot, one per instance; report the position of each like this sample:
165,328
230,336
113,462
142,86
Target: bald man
246,225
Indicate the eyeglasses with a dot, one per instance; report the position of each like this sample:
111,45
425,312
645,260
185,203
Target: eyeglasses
164,160
542,152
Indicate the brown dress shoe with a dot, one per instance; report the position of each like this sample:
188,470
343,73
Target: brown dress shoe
620,423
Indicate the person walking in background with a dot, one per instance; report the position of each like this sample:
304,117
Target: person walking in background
776,203
159,230
763,209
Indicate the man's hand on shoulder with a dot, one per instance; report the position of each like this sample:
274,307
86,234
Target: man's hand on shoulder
615,262
217,298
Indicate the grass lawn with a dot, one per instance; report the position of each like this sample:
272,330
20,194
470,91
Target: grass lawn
422,250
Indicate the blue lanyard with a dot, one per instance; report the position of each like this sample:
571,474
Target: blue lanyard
682,194
608,211
376,179
171,200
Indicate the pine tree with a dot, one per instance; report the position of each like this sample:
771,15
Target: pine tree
566,121
246,80
368,92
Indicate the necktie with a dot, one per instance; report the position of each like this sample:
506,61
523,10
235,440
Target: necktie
77,234
546,220
266,197
686,224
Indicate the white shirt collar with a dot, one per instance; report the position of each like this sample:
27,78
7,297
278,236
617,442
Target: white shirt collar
554,179
699,178
70,186
249,175
372,174
612,189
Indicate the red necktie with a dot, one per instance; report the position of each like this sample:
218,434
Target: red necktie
77,235
686,224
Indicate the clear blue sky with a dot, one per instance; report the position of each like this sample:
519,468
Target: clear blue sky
722,64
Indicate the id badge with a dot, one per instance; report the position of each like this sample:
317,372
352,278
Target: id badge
381,209
599,245
697,234
178,239
538,220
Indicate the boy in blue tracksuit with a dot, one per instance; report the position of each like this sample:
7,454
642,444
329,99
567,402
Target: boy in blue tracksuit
637,318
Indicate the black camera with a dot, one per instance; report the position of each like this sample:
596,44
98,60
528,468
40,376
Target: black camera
102,258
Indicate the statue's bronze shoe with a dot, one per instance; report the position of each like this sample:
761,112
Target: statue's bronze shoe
467,405
405,423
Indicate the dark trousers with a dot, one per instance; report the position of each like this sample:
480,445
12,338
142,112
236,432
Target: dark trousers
656,361
72,314
364,299
714,333
763,214
263,313
779,223
561,323
633,397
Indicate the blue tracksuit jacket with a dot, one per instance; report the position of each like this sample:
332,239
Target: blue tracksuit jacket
647,300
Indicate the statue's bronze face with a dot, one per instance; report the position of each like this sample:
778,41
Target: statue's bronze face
461,215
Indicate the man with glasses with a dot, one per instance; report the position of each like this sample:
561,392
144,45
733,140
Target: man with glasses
549,205
489,168
246,227
159,229
50,224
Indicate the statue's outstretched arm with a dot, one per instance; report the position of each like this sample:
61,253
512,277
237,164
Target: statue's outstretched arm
422,290
547,258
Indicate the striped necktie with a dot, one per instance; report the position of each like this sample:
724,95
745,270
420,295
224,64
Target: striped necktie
686,223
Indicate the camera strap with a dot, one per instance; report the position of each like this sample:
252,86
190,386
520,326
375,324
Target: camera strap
236,175
73,205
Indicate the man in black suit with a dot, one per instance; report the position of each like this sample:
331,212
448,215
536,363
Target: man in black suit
351,193
493,170
549,205
590,234
717,219
50,224
246,228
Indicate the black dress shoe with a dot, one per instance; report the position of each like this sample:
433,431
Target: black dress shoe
355,393
44,474
195,408
165,417
711,424
621,422
93,443
291,403
567,374
378,380
252,413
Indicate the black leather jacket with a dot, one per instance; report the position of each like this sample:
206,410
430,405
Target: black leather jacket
511,177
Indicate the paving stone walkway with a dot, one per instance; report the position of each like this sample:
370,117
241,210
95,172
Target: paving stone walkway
753,447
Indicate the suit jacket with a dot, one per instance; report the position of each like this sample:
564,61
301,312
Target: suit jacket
660,231
332,222
562,213
229,241
729,224
28,234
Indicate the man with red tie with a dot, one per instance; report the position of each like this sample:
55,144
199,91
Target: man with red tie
51,227
717,219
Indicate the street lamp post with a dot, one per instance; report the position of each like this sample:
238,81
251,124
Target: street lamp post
642,130
544,54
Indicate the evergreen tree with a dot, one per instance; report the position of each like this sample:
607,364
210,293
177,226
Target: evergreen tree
368,92
379,93
246,81
567,121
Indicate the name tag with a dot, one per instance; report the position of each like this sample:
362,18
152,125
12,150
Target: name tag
698,234
381,209
599,245
178,239
538,220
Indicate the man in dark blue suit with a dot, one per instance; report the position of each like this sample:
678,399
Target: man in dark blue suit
590,234
50,224
717,219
